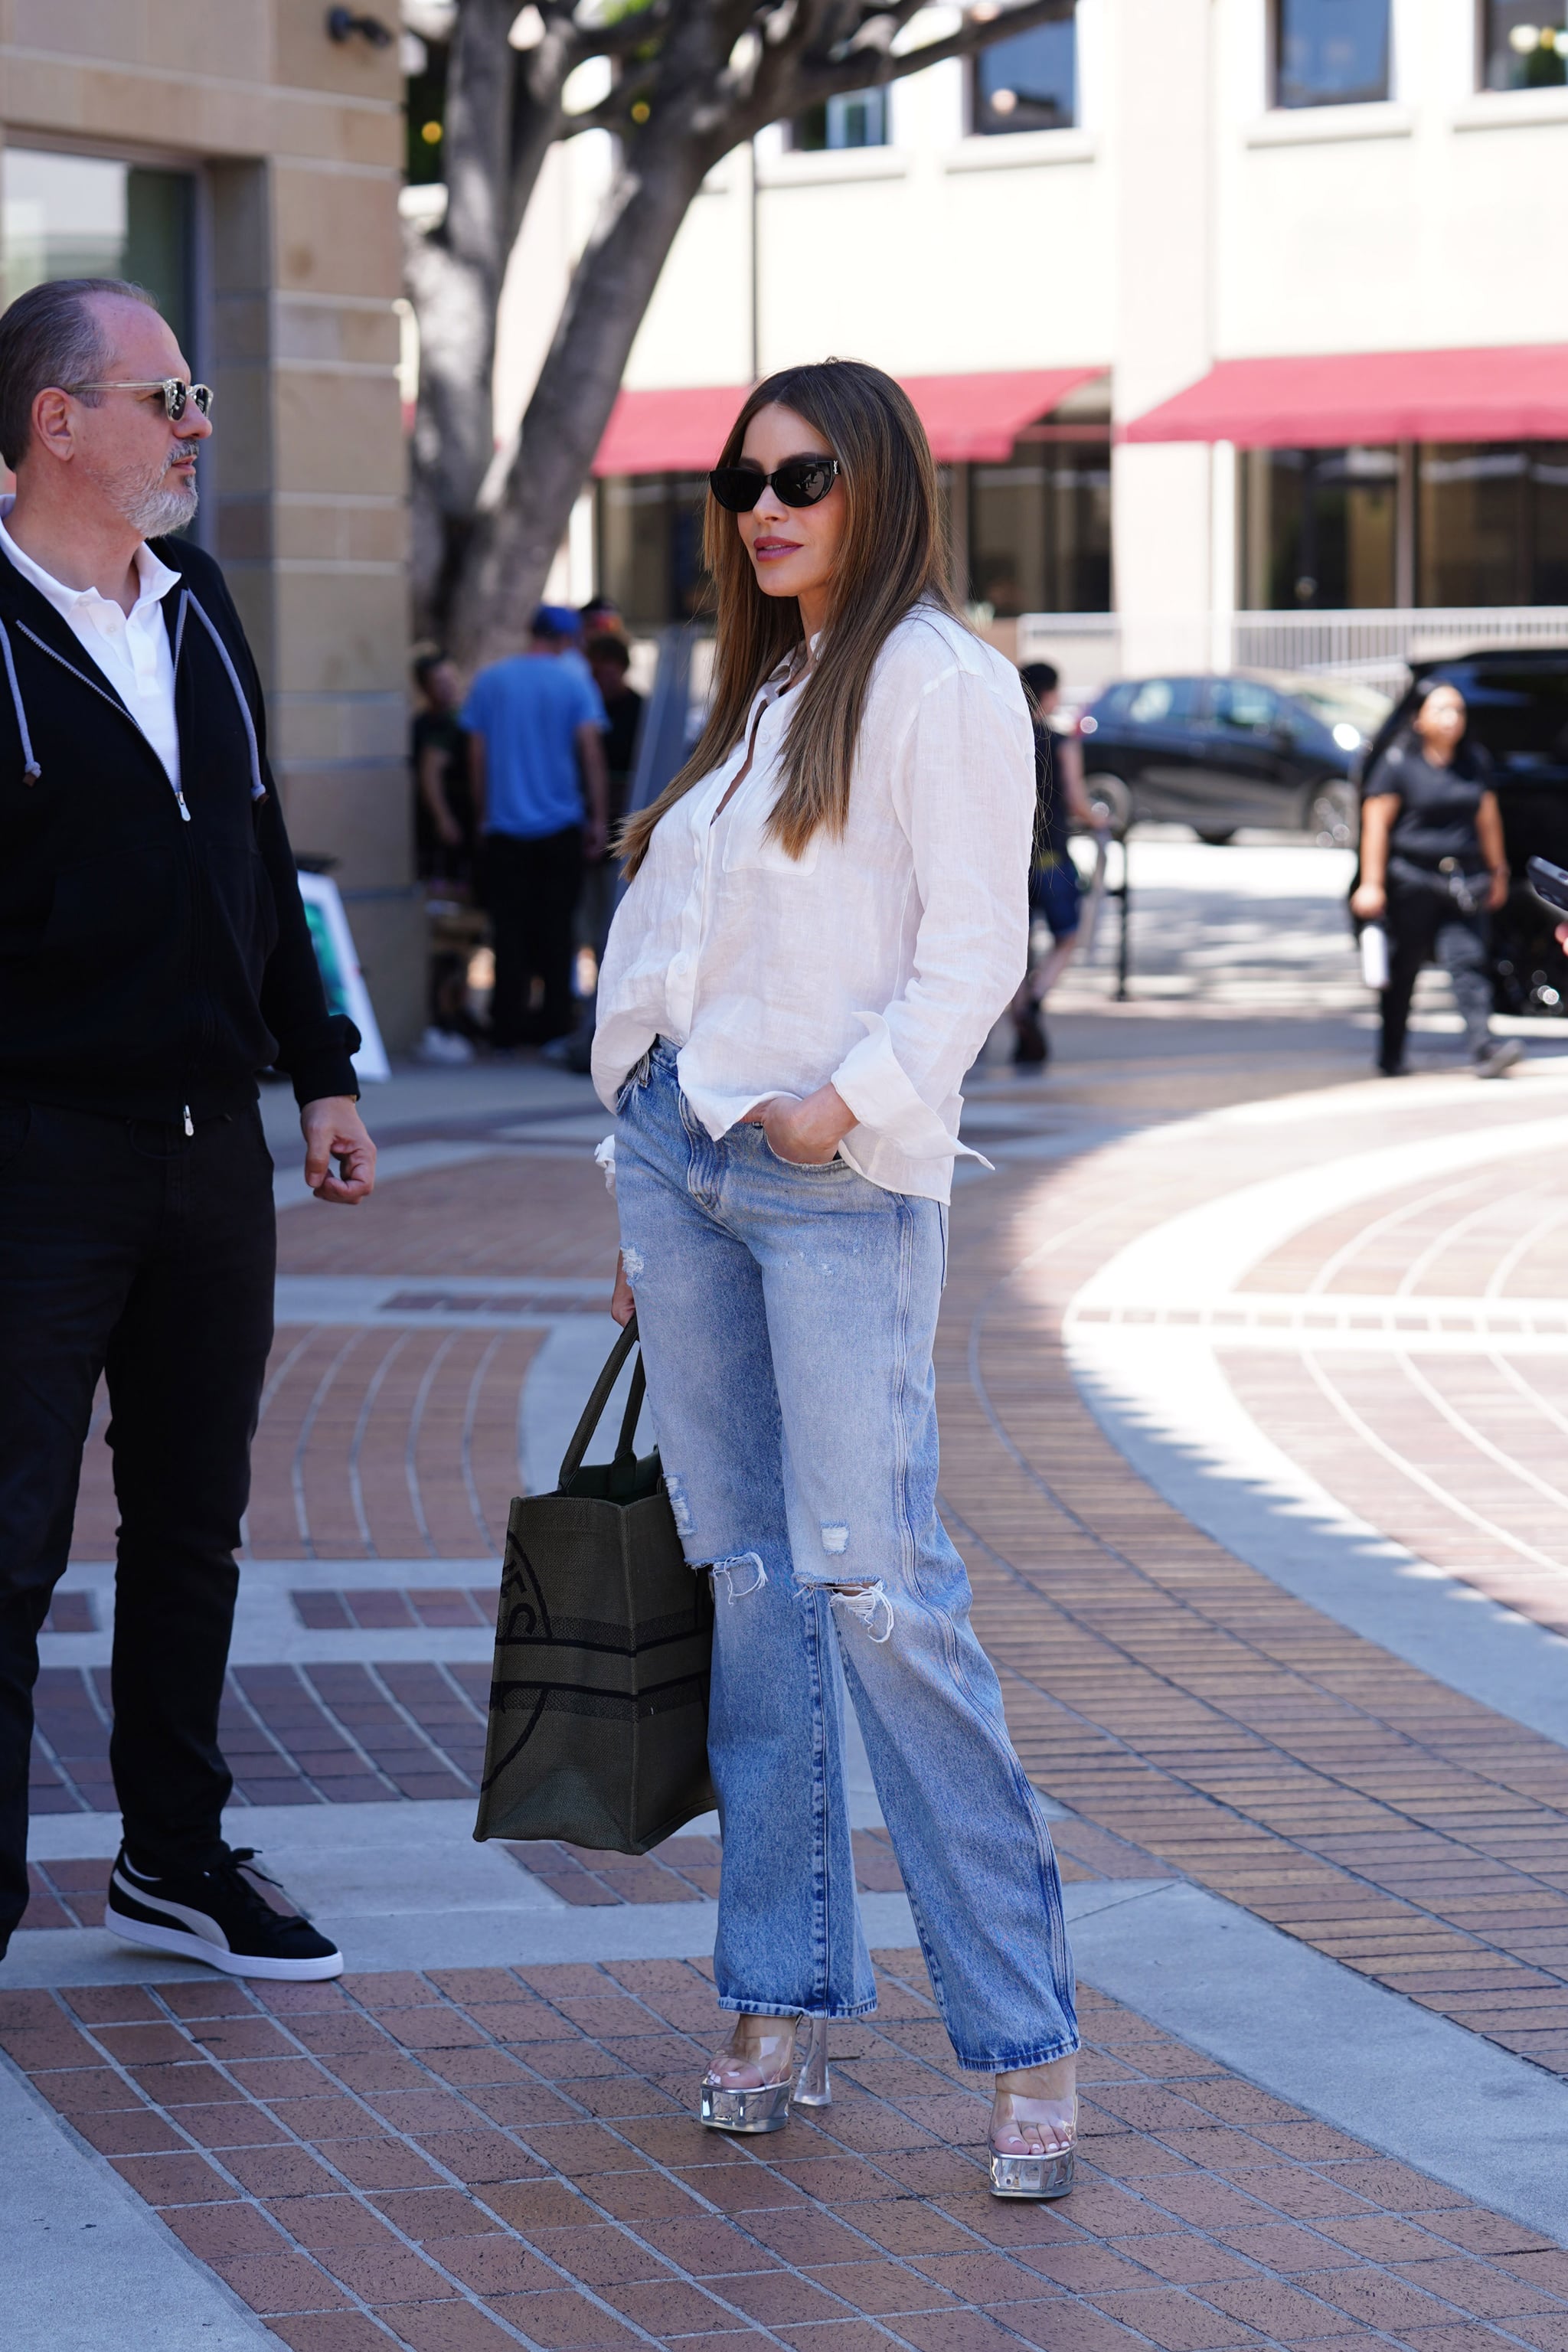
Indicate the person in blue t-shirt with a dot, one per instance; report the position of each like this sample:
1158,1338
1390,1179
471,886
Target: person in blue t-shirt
536,759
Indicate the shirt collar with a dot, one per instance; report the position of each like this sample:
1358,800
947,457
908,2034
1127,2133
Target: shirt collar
155,575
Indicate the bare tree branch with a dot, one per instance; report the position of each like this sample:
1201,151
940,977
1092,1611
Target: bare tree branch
863,59
693,79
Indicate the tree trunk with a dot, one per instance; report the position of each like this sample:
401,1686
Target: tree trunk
510,554
454,275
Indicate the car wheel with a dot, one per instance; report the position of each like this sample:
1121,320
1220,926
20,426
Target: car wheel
1333,815
1216,840
1111,802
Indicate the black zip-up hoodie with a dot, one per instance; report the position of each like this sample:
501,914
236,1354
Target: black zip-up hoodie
154,954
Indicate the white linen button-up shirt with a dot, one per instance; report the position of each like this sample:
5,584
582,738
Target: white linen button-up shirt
131,649
878,958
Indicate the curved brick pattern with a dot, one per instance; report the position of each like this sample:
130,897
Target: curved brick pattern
478,2158
1501,1230
1171,1695
1463,1459
1459,1457
374,1444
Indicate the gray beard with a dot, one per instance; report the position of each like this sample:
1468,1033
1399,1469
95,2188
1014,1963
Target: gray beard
160,509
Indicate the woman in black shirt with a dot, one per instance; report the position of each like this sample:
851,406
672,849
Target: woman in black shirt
1433,867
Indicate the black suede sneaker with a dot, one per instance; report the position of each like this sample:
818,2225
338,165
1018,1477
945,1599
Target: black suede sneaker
233,1916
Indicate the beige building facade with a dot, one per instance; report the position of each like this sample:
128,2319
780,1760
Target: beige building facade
246,165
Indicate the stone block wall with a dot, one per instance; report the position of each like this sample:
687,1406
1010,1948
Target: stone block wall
297,145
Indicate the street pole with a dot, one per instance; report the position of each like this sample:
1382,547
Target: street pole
756,274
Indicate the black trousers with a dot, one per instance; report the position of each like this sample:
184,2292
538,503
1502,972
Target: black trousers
128,1248
1427,926
531,892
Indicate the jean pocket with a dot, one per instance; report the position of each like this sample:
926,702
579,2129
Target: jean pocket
633,1082
817,1168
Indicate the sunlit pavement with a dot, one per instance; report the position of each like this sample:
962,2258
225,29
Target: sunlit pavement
1253,1375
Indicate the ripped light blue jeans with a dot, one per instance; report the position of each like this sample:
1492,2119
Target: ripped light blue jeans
787,1317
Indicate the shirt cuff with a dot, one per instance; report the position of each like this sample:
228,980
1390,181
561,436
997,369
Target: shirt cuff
324,1074
877,1088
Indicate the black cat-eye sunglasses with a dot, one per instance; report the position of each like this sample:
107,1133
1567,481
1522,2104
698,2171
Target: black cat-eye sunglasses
798,482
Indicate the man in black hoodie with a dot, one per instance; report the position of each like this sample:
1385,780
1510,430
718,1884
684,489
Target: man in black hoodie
155,957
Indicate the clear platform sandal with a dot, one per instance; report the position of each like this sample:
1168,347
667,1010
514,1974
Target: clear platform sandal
751,2085
1049,2174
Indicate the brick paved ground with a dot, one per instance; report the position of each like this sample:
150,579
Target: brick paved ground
482,2157
1167,1692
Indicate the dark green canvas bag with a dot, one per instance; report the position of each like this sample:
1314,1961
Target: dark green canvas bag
598,1720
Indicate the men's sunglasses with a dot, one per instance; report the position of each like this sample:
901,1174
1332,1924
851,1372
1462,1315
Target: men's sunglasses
175,392
798,482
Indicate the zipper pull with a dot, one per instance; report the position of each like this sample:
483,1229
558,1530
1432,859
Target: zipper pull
185,812
189,1123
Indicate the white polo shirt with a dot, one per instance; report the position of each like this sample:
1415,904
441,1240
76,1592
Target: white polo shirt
132,650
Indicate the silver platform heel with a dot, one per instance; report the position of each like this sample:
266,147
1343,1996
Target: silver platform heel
1032,2176
813,2085
794,2070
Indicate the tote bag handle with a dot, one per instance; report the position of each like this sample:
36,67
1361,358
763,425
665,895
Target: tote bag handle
625,1455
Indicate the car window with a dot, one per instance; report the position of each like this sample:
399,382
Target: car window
1240,703
1337,702
1521,715
1163,702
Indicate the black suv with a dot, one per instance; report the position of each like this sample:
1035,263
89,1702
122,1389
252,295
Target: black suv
1218,753
1518,704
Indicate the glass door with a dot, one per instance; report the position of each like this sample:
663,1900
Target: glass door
94,216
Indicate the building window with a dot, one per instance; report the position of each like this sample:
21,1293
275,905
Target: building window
1319,529
859,118
1526,43
1039,528
650,546
88,216
1330,52
1492,524
1029,83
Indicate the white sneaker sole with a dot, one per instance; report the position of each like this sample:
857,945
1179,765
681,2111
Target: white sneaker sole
186,1946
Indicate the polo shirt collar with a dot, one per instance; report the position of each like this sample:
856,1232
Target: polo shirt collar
155,575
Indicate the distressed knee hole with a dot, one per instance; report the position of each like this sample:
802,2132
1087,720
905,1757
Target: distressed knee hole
869,1606
633,1261
834,1536
679,1506
741,1574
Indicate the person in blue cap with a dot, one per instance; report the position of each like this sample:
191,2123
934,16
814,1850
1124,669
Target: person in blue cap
536,762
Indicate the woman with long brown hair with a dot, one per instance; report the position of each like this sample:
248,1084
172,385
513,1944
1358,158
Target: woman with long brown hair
828,911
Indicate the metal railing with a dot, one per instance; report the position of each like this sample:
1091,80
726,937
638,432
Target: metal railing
1380,647
1091,648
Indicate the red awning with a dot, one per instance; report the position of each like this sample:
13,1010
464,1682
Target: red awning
975,419
669,432
1324,403
967,417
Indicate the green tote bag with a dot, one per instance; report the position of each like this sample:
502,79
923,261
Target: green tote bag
598,1715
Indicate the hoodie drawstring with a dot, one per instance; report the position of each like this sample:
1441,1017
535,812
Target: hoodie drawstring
30,768
258,789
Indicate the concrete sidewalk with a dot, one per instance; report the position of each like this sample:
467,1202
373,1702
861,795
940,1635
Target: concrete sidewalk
1316,1847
